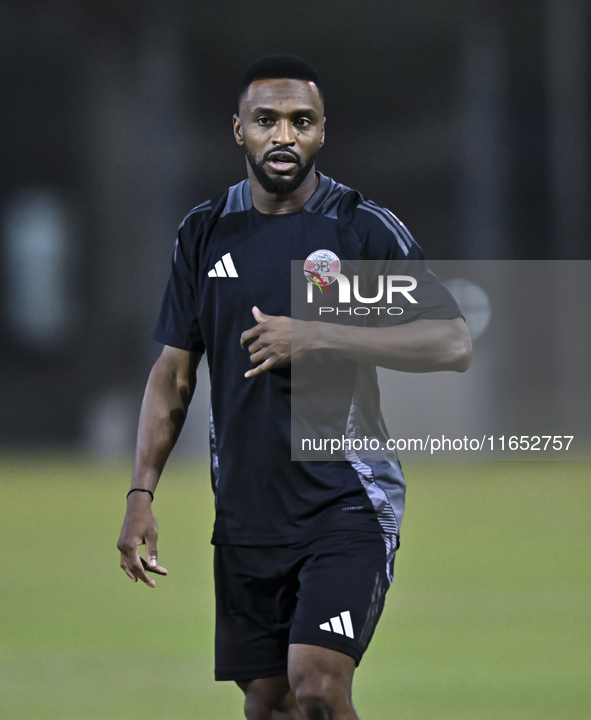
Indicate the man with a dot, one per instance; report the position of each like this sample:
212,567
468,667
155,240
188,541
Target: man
304,551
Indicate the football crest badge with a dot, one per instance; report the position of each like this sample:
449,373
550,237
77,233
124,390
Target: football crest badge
319,265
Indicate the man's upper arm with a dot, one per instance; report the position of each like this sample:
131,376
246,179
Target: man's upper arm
178,326
179,364
386,239
184,362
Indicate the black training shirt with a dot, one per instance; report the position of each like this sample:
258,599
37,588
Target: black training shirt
229,257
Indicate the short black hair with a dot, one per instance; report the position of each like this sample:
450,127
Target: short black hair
280,66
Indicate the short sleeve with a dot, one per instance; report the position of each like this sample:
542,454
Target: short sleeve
177,324
383,235
385,238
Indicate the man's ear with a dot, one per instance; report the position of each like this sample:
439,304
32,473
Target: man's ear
238,130
322,135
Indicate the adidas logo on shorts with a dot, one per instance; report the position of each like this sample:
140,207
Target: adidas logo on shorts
341,628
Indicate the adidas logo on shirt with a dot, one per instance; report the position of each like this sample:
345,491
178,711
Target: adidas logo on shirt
223,268
335,625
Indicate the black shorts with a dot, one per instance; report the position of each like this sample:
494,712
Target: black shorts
329,591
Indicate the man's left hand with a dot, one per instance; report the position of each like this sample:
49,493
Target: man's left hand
273,341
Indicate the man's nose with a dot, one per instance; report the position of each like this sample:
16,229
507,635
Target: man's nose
284,134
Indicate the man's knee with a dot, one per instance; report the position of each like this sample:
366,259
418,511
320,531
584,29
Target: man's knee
319,698
321,682
257,708
262,697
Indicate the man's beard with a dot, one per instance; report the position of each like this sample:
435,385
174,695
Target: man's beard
279,184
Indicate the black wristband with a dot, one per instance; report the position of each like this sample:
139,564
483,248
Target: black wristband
140,490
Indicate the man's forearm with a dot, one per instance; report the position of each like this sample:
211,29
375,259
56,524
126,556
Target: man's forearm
164,409
420,346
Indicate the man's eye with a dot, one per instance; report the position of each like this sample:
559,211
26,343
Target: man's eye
302,122
264,121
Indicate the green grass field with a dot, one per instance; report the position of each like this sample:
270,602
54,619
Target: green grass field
488,618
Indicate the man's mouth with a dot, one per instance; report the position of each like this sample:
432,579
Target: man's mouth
282,161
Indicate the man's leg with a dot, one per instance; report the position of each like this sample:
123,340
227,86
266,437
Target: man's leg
269,699
321,681
315,608
318,688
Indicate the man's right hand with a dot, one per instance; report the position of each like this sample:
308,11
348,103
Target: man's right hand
139,528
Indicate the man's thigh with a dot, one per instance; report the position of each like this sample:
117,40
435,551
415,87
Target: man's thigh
256,594
328,592
342,589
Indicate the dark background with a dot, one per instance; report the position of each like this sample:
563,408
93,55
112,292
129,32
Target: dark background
470,120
